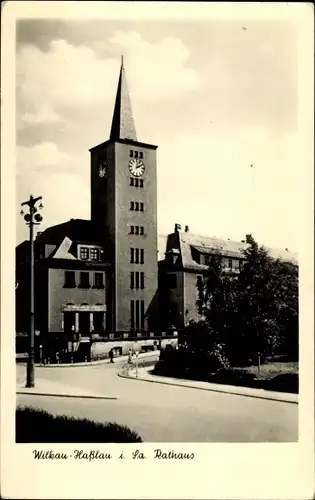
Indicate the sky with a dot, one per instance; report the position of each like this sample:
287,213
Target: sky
218,97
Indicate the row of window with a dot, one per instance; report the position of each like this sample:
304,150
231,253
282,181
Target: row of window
136,280
137,230
136,154
137,314
136,256
90,253
136,182
84,280
238,264
137,206
85,325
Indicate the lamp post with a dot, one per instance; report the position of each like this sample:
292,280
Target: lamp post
31,218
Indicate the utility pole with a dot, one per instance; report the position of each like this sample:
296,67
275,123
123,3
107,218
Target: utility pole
31,218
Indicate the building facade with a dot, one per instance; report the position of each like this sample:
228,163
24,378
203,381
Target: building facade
101,278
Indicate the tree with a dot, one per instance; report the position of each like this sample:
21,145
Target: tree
253,314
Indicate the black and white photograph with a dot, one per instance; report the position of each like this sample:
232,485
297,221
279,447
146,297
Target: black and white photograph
160,181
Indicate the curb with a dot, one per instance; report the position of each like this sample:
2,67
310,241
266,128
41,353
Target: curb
222,391
65,395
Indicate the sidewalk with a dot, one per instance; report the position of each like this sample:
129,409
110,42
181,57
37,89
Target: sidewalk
117,359
145,375
48,388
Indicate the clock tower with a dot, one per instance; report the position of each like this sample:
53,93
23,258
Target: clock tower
124,208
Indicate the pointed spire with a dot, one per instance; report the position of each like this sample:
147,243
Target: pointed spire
123,126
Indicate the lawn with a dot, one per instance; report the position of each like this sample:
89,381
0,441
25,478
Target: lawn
270,369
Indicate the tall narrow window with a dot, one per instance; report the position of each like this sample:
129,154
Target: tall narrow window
141,207
132,314
132,280
137,315
230,263
136,182
136,154
141,183
84,280
137,256
141,256
132,229
69,279
132,255
142,315
141,230
98,280
131,153
136,206
141,155
137,279
136,229
131,205
142,280
131,181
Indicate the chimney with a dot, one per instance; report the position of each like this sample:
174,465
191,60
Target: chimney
186,229
178,227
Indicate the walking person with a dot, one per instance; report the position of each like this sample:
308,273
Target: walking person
129,356
111,355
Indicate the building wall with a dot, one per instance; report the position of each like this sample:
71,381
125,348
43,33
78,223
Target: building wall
190,296
59,295
110,207
125,241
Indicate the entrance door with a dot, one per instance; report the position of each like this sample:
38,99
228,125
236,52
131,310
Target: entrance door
84,323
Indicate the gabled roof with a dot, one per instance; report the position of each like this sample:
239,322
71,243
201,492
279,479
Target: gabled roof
78,230
186,241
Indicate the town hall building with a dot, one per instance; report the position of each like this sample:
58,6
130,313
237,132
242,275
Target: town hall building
98,278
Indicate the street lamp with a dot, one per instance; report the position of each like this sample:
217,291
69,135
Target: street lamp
31,218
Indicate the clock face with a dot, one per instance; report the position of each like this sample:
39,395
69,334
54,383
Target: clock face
136,167
102,168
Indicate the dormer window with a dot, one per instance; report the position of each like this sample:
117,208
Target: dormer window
84,253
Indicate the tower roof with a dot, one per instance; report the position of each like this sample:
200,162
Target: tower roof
123,126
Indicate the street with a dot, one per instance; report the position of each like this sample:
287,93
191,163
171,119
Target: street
162,413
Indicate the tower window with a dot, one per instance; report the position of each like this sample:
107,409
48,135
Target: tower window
132,280
141,256
141,183
141,230
141,207
136,206
136,182
137,315
142,315
137,256
131,181
136,229
132,314
141,155
84,280
131,154
136,154
69,279
142,280
132,229
137,279
132,256
132,205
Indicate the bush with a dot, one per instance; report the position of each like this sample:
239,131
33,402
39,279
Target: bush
38,426
285,382
234,376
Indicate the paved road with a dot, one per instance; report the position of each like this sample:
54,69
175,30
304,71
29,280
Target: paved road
161,413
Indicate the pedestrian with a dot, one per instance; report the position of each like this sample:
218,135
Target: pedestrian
111,356
129,356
